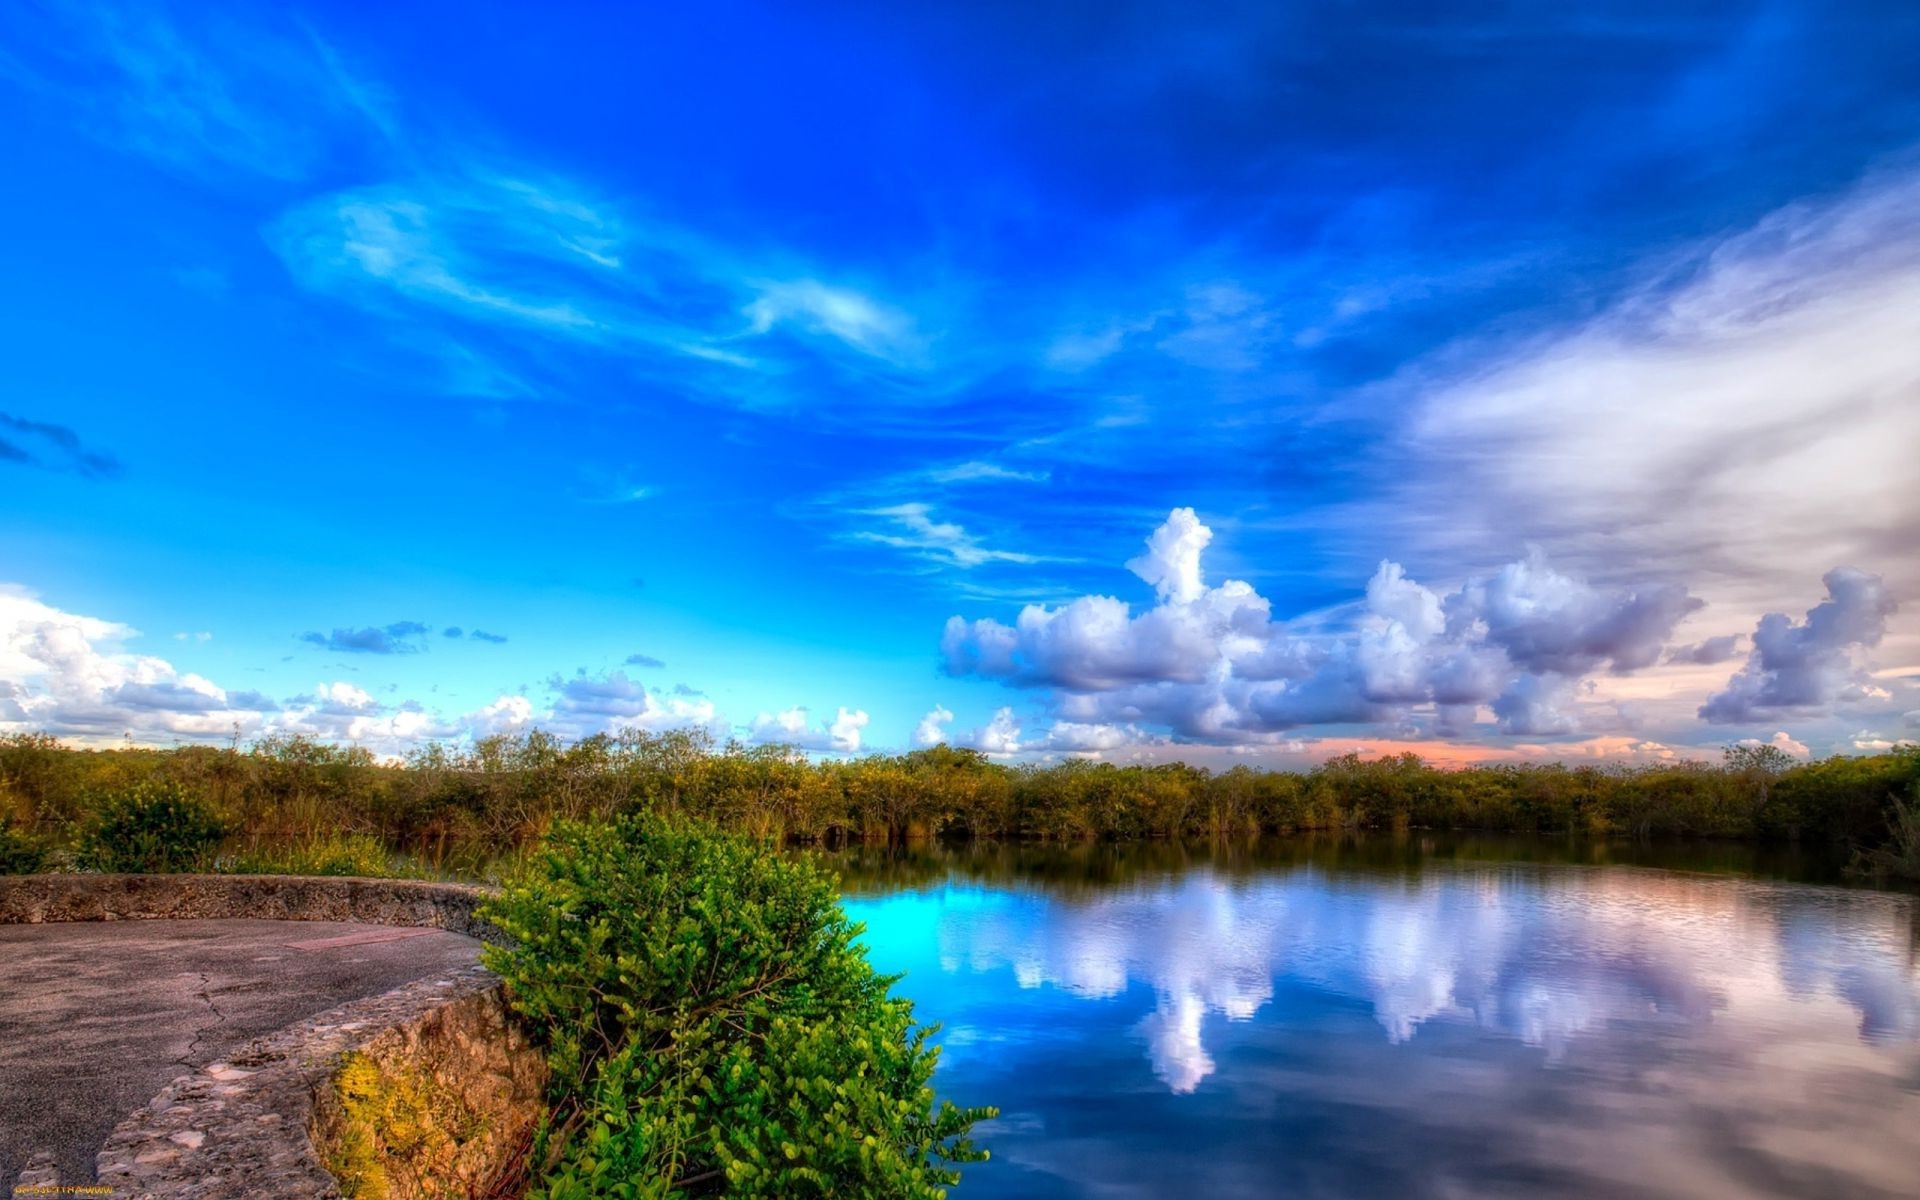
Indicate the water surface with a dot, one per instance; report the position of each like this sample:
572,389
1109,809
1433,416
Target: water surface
1418,1017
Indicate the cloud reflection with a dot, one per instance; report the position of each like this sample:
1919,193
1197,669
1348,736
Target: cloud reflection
1540,958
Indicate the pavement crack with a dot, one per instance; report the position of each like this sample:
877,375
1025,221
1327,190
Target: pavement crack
205,995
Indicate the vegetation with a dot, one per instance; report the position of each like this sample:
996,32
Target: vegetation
712,1026
349,854
402,1130
157,825
461,810
20,852
1900,857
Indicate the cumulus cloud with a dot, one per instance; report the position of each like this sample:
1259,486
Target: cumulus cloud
610,703
1748,411
1708,653
999,736
645,660
1536,706
401,637
1781,740
69,674
1808,666
506,714
932,729
793,727
1211,664
343,712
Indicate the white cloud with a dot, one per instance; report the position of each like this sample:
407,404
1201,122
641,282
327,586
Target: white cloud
589,704
999,737
1749,413
982,472
1781,740
443,246
914,529
1172,561
69,675
1090,739
794,727
1807,666
507,714
343,697
860,322
219,97
1211,665
1869,742
932,729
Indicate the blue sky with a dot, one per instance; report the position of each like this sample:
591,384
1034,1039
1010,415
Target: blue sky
713,361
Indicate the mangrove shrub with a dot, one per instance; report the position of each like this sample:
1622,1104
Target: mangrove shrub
712,1025
150,827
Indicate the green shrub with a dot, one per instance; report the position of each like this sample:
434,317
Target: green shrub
352,854
713,1027
150,827
20,852
1900,857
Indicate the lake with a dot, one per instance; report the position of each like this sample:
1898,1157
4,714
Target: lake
1419,1016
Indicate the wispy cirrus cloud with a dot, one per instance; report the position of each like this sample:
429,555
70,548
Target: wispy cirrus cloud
1745,412
550,260
854,319
911,527
975,471
272,100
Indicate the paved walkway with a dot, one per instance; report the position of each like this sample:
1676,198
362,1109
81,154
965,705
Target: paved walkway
95,1017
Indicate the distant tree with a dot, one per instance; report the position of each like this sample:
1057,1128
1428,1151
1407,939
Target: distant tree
1757,767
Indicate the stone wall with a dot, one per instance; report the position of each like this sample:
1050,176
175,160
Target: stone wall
431,1085
271,1120
32,899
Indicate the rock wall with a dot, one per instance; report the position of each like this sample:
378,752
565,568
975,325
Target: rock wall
272,1120
427,1091
32,899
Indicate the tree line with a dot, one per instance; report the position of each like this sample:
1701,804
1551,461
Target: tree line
455,803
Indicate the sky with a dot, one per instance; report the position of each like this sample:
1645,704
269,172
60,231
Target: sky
1518,382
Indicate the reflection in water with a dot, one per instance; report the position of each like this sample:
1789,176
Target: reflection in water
1534,1027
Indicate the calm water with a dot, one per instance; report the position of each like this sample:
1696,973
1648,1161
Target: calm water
1417,1018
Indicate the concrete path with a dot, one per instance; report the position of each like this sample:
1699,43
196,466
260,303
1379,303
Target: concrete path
95,1017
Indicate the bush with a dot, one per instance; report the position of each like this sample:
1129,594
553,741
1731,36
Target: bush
20,853
1900,857
150,827
353,854
713,1027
